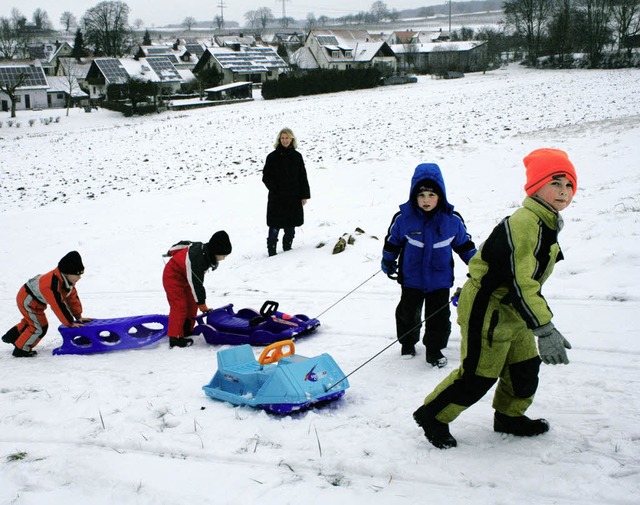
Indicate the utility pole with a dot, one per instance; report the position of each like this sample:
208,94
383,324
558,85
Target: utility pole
449,18
284,13
222,6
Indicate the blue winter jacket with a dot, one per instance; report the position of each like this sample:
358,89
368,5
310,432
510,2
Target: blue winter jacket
425,242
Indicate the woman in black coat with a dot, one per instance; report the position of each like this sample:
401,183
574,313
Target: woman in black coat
285,177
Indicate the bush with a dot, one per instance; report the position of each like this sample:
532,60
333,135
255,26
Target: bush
320,81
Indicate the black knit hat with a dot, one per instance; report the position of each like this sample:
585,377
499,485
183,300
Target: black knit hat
71,264
428,185
219,243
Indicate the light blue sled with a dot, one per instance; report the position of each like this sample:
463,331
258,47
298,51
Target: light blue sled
290,384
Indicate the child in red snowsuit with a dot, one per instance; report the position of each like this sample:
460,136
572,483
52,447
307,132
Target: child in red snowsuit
55,288
183,280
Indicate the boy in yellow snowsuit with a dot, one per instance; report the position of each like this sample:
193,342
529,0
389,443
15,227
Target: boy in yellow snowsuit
501,310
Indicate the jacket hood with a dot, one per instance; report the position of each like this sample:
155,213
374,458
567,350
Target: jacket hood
429,171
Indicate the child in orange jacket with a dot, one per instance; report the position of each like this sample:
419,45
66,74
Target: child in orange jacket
55,288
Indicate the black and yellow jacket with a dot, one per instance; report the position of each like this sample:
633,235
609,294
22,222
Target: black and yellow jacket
514,262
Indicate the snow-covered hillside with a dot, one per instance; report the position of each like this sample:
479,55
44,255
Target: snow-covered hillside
134,427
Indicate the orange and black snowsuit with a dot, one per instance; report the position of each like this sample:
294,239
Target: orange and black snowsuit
183,279
52,289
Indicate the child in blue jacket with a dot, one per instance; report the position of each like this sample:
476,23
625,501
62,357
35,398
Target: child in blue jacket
421,239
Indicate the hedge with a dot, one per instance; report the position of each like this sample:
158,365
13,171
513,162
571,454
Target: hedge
316,82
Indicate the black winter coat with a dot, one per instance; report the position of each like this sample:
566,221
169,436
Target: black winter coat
285,177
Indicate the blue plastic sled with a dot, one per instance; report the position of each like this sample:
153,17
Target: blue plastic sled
104,335
279,381
224,326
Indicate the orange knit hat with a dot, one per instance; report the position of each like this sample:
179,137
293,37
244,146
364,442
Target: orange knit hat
543,165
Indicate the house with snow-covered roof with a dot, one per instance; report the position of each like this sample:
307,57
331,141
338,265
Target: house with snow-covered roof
344,49
255,64
439,57
158,69
31,93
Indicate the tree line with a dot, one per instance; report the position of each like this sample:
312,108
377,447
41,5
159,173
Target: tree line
557,29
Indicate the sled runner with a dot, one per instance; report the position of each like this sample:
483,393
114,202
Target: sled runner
104,335
279,381
225,326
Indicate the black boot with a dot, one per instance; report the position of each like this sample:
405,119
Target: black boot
437,359
11,336
436,432
21,353
286,243
520,426
271,247
408,350
180,342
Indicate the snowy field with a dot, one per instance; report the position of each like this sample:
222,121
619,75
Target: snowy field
134,427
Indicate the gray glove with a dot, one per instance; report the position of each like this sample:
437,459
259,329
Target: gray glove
552,345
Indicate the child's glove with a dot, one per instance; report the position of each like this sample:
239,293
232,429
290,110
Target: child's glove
389,267
456,297
552,345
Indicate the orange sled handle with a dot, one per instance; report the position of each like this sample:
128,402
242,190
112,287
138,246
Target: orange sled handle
275,352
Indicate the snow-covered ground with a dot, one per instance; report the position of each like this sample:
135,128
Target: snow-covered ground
134,427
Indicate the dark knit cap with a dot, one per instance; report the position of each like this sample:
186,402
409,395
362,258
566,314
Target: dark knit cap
428,185
219,243
71,264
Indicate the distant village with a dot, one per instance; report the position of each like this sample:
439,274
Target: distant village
49,76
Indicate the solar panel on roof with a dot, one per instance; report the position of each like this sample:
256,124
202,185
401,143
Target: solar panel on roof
35,76
158,50
164,68
112,69
327,40
196,49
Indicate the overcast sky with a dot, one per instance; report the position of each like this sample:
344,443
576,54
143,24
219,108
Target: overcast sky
162,12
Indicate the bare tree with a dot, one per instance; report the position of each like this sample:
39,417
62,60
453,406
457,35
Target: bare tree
219,22
265,16
189,22
68,21
410,55
626,16
8,39
312,22
41,19
106,26
286,21
598,32
529,18
71,71
138,23
379,10
10,87
252,18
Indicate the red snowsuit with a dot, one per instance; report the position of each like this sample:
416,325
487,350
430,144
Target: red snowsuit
52,289
182,279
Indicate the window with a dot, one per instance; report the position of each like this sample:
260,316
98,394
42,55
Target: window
60,96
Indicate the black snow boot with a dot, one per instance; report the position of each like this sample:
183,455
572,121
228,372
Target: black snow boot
436,432
271,247
520,426
286,243
21,353
11,336
180,342
437,359
408,350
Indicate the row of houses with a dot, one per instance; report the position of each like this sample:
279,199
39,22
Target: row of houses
54,78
